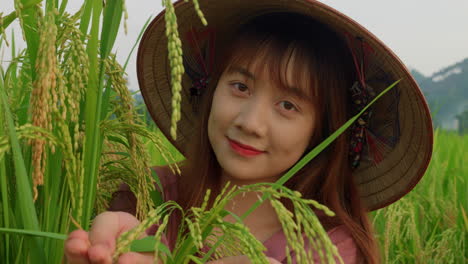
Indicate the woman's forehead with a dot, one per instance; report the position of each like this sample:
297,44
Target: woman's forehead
290,74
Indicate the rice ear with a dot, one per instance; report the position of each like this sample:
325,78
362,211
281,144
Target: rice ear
44,97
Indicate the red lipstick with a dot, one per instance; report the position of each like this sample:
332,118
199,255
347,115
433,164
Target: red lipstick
244,150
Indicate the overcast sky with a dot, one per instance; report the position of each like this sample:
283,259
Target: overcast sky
427,35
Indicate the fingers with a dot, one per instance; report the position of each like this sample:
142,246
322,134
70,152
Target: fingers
103,234
104,230
97,246
76,247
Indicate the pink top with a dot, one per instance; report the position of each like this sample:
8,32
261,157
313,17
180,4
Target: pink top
124,200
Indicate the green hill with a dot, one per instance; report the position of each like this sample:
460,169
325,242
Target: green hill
446,92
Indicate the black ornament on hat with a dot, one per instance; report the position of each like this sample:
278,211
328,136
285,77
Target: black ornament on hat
371,137
198,62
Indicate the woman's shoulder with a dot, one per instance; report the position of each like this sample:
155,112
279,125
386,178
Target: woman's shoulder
340,236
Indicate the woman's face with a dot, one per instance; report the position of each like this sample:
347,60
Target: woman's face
257,129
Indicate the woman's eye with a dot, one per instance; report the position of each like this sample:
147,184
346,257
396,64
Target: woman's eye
288,106
240,87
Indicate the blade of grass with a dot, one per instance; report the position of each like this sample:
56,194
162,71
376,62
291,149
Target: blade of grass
24,194
93,97
4,196
21,243
33,233
30,27
62,7
94,105
110,25
86,16
13,44
136,42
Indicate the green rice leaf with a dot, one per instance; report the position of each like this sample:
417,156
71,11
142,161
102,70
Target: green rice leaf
136,42
147,245
86,16
29,16
4,192
24,194
317,150
110,25
157,196
33,233
92,113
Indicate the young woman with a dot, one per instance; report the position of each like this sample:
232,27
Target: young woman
266,83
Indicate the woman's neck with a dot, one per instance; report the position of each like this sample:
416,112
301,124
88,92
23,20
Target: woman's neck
262,222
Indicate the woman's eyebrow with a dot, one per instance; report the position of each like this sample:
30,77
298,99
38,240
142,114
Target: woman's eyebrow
298,93
243,71
291,90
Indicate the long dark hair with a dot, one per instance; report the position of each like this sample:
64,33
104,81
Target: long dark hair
324,61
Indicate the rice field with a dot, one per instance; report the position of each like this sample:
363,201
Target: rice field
430,224
69,134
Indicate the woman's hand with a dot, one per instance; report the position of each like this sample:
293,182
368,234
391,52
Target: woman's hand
97,246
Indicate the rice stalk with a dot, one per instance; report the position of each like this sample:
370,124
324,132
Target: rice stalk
18,9
303,223
2,30
4,146
137,152
76,63
125,12
240,242
193,223
196,5
43,98
23,195
154,216
158,237
295,226
28,132
441,249
174,46
18,84
205,227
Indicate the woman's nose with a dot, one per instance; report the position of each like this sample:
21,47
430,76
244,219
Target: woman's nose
252,118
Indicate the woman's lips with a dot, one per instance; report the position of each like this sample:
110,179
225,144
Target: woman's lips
244,150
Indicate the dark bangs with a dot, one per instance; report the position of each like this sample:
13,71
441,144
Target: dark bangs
273,59
274,55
